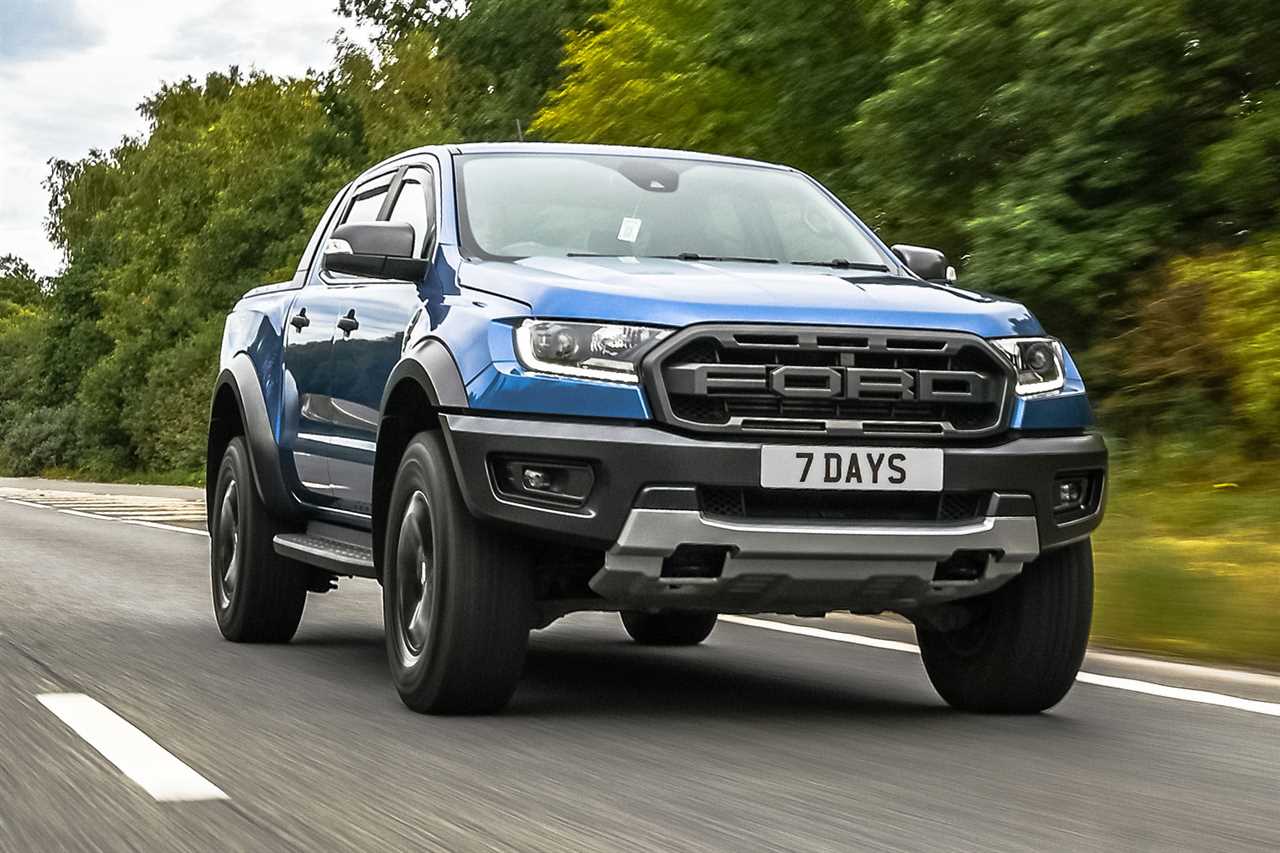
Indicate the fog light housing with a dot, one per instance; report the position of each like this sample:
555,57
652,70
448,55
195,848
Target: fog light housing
544,481
1069,494
1075,495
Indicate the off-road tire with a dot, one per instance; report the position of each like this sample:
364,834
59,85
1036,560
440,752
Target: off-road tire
1021,652
465,652
259,599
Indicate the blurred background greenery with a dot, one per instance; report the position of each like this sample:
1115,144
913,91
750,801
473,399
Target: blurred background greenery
1114,166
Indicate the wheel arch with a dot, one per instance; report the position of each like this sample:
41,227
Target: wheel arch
239,408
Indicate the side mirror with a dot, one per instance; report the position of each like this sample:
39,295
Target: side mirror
374,250
929,264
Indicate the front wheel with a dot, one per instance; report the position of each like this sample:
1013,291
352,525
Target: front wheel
1022,649
457,596
668,628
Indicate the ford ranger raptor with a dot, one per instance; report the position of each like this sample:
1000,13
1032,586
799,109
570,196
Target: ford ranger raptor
516,381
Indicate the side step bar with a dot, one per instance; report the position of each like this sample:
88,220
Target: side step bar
332,555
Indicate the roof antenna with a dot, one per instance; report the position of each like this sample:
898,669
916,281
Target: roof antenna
519,131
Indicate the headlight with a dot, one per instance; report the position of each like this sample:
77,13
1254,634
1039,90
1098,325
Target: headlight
607,351
1038,362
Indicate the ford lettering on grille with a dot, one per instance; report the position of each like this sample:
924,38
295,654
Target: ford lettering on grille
845,383
833,381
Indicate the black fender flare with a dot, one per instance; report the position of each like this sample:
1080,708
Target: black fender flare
241,376
432,366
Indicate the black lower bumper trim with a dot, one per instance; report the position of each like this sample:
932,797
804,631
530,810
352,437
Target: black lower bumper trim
627,458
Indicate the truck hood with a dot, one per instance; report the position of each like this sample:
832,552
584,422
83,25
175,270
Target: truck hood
678,293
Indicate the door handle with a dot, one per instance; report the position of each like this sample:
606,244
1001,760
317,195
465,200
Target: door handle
300,320
349,323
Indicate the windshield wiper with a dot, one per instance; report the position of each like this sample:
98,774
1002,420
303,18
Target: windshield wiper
694,256
682,256
843,264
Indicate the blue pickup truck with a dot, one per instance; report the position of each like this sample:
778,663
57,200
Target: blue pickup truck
516,381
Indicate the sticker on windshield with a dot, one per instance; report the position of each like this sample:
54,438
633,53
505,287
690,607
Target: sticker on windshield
630,230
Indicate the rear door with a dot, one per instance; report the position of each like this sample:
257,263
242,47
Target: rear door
376,316
309,354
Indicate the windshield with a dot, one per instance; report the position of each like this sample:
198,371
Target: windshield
520,205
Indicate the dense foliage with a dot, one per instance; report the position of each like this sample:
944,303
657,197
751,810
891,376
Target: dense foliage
1116,168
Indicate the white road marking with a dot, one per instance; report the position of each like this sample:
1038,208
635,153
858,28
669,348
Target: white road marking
1203,697
823,634
141,507
1132,685
152,516
134,754
110,509
82,514
154,524
194,531
28,503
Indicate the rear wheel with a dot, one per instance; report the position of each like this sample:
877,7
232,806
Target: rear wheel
258,595
457,596
668,628
1022,649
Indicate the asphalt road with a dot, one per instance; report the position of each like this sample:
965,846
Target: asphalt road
757,740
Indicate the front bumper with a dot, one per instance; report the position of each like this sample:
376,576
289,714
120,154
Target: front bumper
644,506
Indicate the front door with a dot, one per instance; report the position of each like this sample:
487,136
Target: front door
308,370
368,344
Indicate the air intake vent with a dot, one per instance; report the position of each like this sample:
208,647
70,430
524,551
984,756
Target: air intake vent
736,502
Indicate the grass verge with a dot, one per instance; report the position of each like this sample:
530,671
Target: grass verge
111,475
1188,560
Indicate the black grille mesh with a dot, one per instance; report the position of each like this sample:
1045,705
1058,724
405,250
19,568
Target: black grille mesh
753,408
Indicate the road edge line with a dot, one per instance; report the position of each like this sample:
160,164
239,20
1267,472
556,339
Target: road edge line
157,525
1131,685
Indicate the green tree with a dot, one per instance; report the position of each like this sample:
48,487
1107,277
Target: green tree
403,99
502,55
642,79
19,284
1055,144
747,78
163,234
1244,317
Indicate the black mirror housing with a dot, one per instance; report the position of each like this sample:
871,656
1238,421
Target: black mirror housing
929,264
374,250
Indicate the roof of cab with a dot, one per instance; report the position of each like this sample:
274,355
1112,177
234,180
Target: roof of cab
577,148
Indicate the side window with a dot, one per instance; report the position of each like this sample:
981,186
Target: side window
365,207
415,204
411,207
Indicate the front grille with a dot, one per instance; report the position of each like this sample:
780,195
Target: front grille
755,503
829,381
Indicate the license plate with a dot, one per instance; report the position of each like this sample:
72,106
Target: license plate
903,469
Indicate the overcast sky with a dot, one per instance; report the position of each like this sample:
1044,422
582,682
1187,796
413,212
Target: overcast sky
72,73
